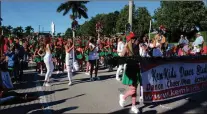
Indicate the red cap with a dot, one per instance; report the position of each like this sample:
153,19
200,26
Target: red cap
130,36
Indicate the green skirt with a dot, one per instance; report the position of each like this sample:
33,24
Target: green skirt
37,59
131,76
79,56
115,54
86,58
101,54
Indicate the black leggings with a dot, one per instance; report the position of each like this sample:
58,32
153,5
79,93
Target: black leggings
92,64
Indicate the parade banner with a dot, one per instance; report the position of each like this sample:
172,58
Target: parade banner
164,80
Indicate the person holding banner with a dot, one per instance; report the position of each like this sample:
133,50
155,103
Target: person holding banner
48,61
131,76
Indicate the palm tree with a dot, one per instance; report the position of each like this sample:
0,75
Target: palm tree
29,30
10,29
18,31
78,9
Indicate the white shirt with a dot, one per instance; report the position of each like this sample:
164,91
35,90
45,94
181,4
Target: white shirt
199,40
183,41
120,48
93,55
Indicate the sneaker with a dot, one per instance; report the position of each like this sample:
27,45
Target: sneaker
87,73
121,100
134,109
98,78
58,72
91,79
141,99
47,85
118,79
70,83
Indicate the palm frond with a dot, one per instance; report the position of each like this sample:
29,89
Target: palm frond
82,13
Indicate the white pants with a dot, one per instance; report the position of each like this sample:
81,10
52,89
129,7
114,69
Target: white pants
119,70
49,65
69,69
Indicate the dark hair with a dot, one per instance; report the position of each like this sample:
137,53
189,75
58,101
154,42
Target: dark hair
46,40
92,40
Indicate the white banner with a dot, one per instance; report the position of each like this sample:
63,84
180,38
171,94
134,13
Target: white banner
166,81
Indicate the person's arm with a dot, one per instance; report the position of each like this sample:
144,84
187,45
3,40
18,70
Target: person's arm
68,49
92,47
119,48
163,39
124,50
39,52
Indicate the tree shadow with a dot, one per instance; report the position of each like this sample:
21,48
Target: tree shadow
195,102
51,111
24,109
127,111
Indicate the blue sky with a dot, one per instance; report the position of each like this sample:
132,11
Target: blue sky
43,13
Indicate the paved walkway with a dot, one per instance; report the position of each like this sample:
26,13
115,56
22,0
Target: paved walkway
91,97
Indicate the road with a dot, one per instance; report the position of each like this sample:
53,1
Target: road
91,97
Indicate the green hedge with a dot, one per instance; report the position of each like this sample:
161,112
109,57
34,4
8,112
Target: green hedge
204,34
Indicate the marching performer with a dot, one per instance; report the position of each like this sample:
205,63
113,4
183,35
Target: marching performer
131,75
120,48
48,61
69,60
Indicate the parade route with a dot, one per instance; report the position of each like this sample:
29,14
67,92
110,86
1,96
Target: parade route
91,97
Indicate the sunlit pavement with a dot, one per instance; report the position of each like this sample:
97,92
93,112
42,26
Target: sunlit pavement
91,97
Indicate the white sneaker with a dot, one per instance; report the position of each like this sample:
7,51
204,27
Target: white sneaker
118,79
121,100
47,85
41,72
98,78
91,79
58,72
141,99
87,73
70,83
134,109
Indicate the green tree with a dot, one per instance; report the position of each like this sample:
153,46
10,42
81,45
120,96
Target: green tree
58,34
5,30
10,29
18,31
123,19
29,30
68,33
110,20
143,21
181,17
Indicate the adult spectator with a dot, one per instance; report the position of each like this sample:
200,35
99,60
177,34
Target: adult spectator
199,40
183,40
19,50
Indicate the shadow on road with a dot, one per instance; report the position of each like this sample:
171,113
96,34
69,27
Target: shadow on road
51,111
196,102
127,111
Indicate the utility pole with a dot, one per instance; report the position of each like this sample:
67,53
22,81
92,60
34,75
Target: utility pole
39,28
131,3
